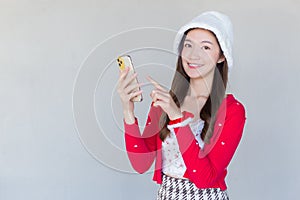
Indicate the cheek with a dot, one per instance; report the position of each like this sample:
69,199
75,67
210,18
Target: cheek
217,55
213,57
185,53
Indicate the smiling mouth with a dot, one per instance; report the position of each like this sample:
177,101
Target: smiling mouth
194,65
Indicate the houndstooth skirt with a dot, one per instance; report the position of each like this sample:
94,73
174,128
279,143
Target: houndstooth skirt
183,189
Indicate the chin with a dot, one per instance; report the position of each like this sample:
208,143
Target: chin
193,72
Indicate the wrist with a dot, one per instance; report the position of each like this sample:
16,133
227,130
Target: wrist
129,117
184,115
179,122
177,114
176,117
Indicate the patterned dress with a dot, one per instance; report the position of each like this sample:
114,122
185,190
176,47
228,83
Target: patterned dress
174,186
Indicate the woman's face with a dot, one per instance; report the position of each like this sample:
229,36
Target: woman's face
200,53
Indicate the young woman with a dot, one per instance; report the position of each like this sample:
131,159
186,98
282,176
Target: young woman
193,130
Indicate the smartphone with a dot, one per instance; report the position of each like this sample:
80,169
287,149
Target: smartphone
125,61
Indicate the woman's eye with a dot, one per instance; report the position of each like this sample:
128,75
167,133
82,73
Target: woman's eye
187,45
206,47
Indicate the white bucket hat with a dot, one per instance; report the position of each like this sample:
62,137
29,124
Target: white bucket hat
215,22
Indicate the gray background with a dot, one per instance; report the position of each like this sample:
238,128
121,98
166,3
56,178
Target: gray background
46,149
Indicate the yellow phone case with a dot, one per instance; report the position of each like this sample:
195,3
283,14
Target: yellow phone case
125,61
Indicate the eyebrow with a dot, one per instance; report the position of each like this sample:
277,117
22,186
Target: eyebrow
204,41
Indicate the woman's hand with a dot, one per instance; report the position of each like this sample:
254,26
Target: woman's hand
126,92
162,98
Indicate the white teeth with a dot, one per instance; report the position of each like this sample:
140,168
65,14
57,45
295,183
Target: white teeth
193,65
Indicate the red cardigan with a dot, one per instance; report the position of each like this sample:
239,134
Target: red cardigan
206,167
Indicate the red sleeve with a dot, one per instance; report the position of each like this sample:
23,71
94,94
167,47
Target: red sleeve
205,166
141,149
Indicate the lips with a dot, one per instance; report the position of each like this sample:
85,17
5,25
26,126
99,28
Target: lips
194,65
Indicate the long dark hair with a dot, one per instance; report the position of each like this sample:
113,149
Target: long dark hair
179,90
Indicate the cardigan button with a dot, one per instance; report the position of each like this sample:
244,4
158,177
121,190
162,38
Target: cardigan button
219,124
194,170
135,146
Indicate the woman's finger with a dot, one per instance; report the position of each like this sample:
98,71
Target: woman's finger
128,80
123,73
135,94
156,84
157,95
132,87
160,93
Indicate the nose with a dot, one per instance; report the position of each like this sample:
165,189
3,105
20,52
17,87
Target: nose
195,53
